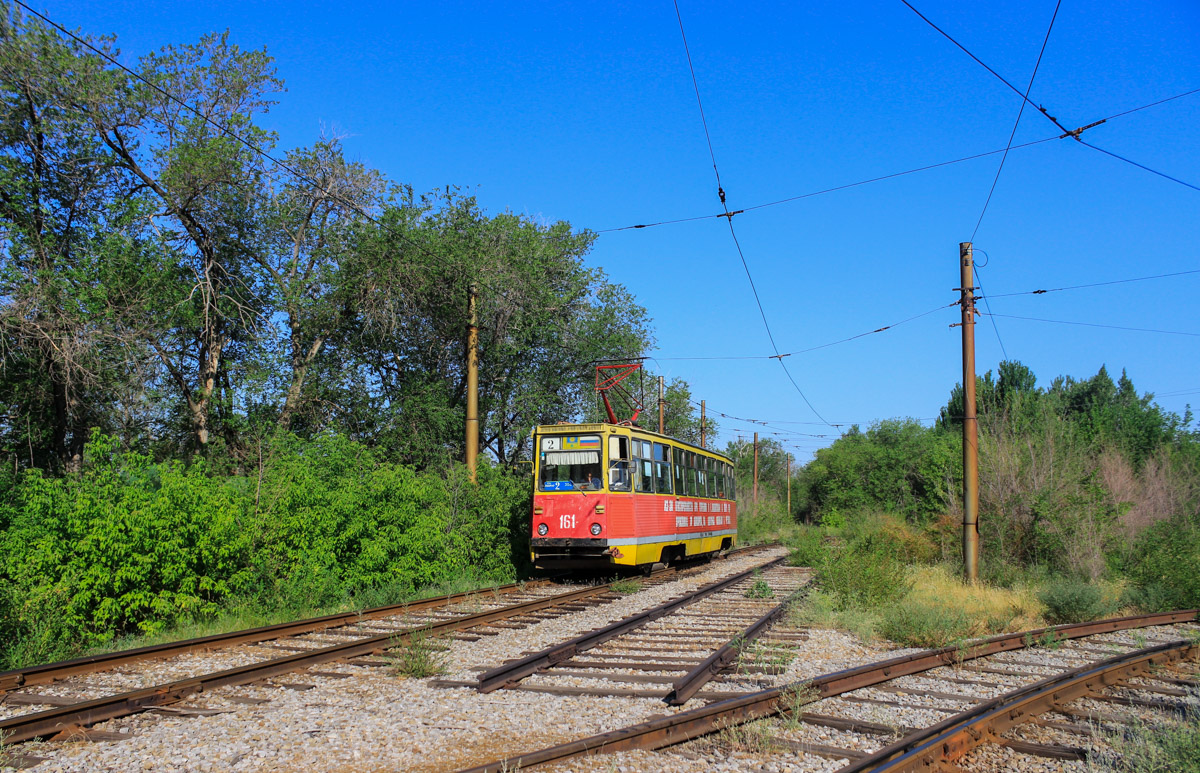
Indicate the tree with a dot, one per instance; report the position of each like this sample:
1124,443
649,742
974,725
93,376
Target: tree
208,185
62,199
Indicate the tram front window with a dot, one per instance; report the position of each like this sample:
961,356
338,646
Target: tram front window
570,463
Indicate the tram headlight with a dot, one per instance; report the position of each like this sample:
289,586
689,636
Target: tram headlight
542,529
595,530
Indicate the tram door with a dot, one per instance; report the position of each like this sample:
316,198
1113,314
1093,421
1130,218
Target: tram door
620,489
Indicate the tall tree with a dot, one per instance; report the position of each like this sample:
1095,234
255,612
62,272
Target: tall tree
208,184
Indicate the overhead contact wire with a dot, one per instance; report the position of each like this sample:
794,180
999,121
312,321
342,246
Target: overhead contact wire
729,217
1012,135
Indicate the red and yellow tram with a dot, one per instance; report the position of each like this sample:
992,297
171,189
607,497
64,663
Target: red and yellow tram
611,494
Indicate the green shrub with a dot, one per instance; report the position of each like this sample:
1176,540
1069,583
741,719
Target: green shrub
418,657
130,546
864,574
919,625
759,590
1074,601
808,547
1166,745
1165,565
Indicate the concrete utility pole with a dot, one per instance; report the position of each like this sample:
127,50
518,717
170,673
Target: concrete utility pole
702,443
756,473
662,408
472,385
970,425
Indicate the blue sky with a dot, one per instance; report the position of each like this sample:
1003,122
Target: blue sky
585,112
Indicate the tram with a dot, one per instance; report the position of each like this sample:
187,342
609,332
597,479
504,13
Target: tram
614,494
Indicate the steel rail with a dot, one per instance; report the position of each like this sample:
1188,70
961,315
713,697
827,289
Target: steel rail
690,683
686,725
50,672
511,673
45,723
27,726
931,748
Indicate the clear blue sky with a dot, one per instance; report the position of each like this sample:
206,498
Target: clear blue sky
586,113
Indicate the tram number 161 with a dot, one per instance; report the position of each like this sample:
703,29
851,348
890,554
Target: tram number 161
566,522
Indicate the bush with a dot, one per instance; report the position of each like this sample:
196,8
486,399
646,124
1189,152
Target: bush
1165,565
128,545
921,625
808,547
863,574
1072,601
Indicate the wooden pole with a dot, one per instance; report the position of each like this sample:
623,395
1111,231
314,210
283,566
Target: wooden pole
662,408
970,426
789,484
756,472
472,386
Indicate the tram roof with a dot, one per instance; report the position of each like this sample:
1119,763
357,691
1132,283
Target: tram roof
606,427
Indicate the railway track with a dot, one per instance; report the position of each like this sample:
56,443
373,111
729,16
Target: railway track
670,651
71,704
923,711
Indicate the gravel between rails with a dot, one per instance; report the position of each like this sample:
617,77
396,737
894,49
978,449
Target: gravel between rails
372,720
140,674
737,752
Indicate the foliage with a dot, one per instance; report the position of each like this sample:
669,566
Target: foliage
759,590
917,624
161,281
627,586
1159,747
1073,601
416,656
131,545
895,466
867,572
1165,564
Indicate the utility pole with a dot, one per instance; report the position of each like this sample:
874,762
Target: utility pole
662,408
970,426
472,385
702,443
756,473
789,483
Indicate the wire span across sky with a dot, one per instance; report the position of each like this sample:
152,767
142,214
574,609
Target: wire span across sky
589,114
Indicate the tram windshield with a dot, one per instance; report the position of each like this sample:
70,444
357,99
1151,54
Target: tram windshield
570,463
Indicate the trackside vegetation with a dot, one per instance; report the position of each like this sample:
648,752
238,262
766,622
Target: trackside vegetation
1089,507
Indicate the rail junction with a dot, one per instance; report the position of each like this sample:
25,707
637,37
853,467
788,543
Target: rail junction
673,676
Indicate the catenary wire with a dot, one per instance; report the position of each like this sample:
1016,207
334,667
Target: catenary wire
1094,284
814,348
881,178
1095,324
987,304
1066,132
729,218
1140,166
1012,135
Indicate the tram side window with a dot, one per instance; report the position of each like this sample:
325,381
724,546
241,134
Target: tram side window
713,485
691,474
619,467
679,467
701,478
662,469
732,477
643,468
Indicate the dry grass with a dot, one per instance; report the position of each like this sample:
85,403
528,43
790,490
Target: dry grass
993,610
